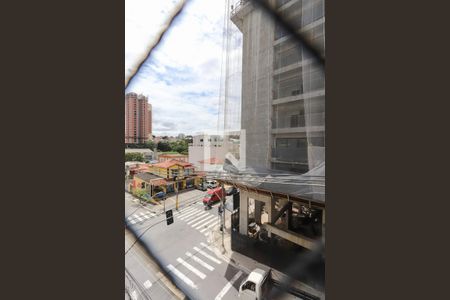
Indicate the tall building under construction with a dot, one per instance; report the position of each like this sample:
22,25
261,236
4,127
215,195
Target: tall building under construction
283,90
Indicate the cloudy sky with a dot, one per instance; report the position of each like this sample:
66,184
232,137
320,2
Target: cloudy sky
182,78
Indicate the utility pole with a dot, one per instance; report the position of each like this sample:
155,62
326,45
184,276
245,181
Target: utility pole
176,200
164,200
223,216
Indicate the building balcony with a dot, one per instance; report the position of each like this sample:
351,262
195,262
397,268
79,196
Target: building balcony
313,122
239,11
308,95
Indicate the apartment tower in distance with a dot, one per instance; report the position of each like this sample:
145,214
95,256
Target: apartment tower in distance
283,90
138,119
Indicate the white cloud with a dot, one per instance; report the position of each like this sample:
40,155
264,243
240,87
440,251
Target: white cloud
183,77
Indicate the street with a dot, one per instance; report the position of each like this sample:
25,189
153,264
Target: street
186,249
143,278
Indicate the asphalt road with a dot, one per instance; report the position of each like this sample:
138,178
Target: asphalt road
143,278
184,248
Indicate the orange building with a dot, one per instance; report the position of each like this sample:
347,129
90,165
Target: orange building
138,119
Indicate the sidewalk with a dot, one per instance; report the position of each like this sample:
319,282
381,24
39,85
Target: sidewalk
246,263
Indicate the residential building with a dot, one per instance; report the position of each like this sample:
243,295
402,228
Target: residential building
172,168
207,152
148,182
138,119
168,176
172,156
176,174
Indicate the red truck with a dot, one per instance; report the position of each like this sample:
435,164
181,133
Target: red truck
212,196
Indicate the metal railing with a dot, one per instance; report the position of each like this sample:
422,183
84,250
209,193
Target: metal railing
303,261
237,7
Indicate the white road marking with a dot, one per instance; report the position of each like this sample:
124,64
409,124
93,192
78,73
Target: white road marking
145,216
228,286
211,225
200,262
195,215
207,255
137,217
223,257
187,215
207,247
191,268
198,218
187,210
181,276
134,295
200,226
147,284
131,220
203,220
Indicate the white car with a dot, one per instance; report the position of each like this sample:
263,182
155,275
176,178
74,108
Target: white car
211,184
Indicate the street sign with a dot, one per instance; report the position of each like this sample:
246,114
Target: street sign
169,217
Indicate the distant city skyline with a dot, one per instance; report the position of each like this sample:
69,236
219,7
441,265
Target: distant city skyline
183,85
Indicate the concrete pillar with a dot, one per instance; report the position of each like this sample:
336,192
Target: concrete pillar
281,204
271,211
323,223
258,208
243,213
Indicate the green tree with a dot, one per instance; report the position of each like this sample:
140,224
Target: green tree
134,157
163,146
150,145
179,146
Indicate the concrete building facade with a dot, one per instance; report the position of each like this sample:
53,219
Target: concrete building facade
283,91
208,152
283,115
138,119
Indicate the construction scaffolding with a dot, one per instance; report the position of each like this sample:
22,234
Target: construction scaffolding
273,90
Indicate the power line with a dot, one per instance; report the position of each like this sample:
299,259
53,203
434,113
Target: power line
139,237
140,288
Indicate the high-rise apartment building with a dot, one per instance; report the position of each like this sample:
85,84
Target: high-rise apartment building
283,90
138,119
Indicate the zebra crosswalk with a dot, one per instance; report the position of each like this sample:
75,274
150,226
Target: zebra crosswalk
140,217
199,219
195,265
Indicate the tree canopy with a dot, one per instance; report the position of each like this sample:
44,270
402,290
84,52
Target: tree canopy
134,157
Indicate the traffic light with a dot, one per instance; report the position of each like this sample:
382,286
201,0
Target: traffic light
169,217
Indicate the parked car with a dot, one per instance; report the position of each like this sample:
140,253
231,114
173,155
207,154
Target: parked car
259,284
213,196
231,191
159,196
211,184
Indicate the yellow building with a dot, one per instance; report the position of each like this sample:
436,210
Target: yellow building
171,169
149,183
167,176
